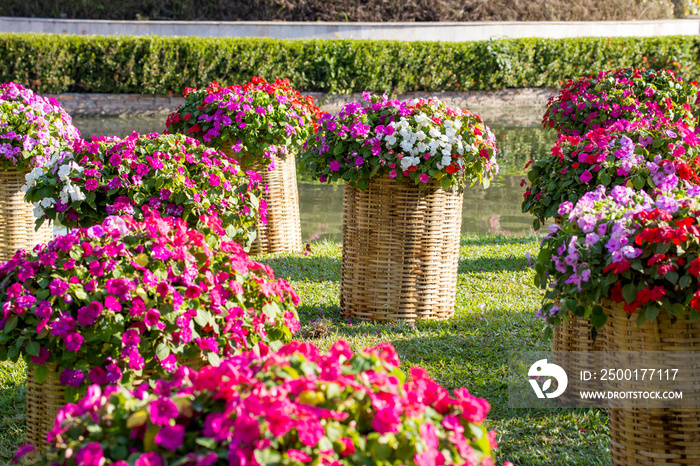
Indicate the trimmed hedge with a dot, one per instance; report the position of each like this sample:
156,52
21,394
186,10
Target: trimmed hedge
160,65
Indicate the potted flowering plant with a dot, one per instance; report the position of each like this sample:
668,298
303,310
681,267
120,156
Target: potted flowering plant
638,155
172,174
298,405
106,303
404,164
33,131
630,263
262,125
626,94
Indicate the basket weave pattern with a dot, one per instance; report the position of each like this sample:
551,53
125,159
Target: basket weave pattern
45,399
575,335
653,435
17,217
400,251
283,230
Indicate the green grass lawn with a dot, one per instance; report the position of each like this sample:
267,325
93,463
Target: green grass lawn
495,313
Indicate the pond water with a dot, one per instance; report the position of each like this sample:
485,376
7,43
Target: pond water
492,210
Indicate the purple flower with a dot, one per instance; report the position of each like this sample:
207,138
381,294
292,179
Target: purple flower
72,378
334,165
359,161
668,204
668,183
74,341
170,437
587,223
591,239
88,315
565,207
165,194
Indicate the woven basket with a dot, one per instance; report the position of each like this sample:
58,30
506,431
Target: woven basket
654,435
283,230
575,335
400,251
17,217
45,399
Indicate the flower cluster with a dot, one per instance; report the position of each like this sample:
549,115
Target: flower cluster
622,95
33,129
627,247
256,120
105,303
419,139
294,406
635,154
172,174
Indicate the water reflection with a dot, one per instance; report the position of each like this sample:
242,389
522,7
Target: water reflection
492,210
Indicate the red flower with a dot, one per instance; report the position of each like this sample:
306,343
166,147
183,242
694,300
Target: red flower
617,267
695,303
656,258
694,268
450,169
195,128
616,293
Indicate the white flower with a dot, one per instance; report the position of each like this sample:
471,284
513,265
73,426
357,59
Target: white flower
47,202
447,150
406,145
390,141
420,135
422,148
408,162
446,160
38,211
76,194
434,132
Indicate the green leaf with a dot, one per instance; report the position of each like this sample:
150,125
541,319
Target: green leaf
213,358
11,324
672,276
33,348
651,312
629,292
41,373
162,351
685,281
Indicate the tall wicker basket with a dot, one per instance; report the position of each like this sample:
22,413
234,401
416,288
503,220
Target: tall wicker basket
575,335
17,217
400,251
654,435
283,230
45,399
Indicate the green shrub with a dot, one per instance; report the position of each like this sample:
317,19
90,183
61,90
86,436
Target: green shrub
160,65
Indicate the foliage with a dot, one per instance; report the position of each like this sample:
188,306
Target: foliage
346,10
628,94
171,174
34,130
298,405
420,139
257,119
625,247
107,302
161,65
638,155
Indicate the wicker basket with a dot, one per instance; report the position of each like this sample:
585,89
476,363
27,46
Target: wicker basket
283,230
400,251
653,435
17,217
45,399
575,335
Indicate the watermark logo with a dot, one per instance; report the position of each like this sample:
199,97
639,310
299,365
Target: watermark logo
543,369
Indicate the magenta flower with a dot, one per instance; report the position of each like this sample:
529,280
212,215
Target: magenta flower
149,459
214,180
170,437
58,287
74,341
424,178
297,455
586,176
334,165
72,378
387,420
88,315
162,411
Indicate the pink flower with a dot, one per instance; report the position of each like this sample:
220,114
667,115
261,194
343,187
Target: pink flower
137,307
149,459
310,432
91,184
473,409
348,446
152,317
427,433
162,411
192,292
214,180
170,437
296,455
387,420
208,344
169,363
586,176
392,174
424,178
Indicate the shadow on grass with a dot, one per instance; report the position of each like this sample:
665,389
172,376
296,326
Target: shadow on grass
305,268
484,264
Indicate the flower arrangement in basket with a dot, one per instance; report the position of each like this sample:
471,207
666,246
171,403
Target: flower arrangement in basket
627,247
256,120
635,154
33,129
418,140
294,406
172,174
626,94
107,302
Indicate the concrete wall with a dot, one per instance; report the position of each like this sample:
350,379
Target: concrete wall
505,106
389,31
